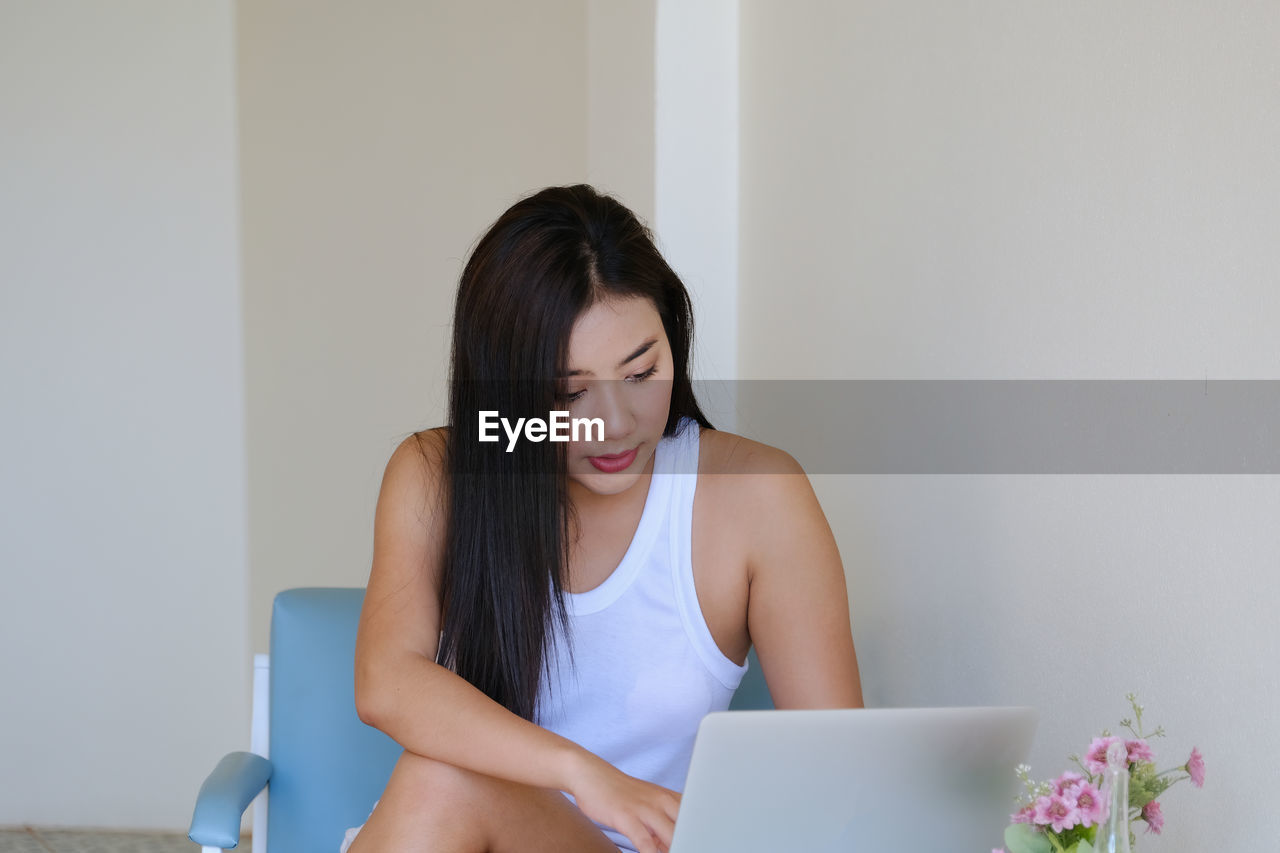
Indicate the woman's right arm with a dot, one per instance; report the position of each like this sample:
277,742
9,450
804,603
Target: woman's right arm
429,710
399,687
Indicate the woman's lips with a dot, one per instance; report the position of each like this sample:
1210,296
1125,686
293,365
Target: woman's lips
615,463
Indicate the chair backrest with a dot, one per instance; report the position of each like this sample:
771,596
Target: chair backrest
753,693
328,766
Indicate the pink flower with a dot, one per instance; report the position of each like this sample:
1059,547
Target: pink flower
1096,758
1151,814
1139,751
1057,811
1065,781
1089,803
1023,815
1195,766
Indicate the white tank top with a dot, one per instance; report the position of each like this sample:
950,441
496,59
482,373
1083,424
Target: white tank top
645,668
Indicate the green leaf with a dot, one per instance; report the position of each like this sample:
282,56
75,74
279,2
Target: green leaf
1022,838
1085,846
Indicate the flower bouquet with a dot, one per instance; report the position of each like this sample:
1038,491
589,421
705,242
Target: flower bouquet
1062,816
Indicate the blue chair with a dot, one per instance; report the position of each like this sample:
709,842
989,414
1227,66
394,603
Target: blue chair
322,766
752,694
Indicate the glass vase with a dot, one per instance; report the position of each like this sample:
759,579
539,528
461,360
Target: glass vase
1113,833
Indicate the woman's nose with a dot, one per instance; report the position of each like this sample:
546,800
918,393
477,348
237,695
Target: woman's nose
612,406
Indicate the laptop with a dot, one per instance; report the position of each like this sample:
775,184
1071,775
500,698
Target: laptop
853,781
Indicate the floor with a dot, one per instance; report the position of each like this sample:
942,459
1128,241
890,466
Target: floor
29,839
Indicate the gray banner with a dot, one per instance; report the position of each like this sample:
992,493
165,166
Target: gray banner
1010,426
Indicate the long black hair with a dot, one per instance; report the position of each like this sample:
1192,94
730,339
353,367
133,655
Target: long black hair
545,261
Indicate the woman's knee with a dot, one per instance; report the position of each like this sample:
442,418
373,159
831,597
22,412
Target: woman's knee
427,805
432,806
429,781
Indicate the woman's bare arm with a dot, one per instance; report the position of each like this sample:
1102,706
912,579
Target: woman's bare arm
431,711
798,606
399,688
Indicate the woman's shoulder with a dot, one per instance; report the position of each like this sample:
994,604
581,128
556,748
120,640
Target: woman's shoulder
754,513
431,440
766,518
417,465
424,446
722,452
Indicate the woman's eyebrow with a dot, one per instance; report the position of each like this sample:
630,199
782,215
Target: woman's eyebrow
640,350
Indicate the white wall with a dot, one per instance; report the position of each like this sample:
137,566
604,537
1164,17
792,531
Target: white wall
375,149
621,66
1003,190
696,171
122,482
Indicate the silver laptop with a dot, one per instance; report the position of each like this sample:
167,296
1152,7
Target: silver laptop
848,781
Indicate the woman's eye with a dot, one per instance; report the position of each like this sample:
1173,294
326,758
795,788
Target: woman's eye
635,377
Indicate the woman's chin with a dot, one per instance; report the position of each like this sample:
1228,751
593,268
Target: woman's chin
604,483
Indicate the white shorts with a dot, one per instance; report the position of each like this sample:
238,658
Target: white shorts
351,833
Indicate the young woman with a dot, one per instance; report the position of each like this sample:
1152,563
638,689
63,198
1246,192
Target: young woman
546,622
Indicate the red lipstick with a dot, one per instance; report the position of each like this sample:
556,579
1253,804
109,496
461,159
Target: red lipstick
614,463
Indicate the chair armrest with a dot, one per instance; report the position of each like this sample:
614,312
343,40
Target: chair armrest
224,796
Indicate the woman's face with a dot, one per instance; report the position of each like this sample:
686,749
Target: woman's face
620,371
